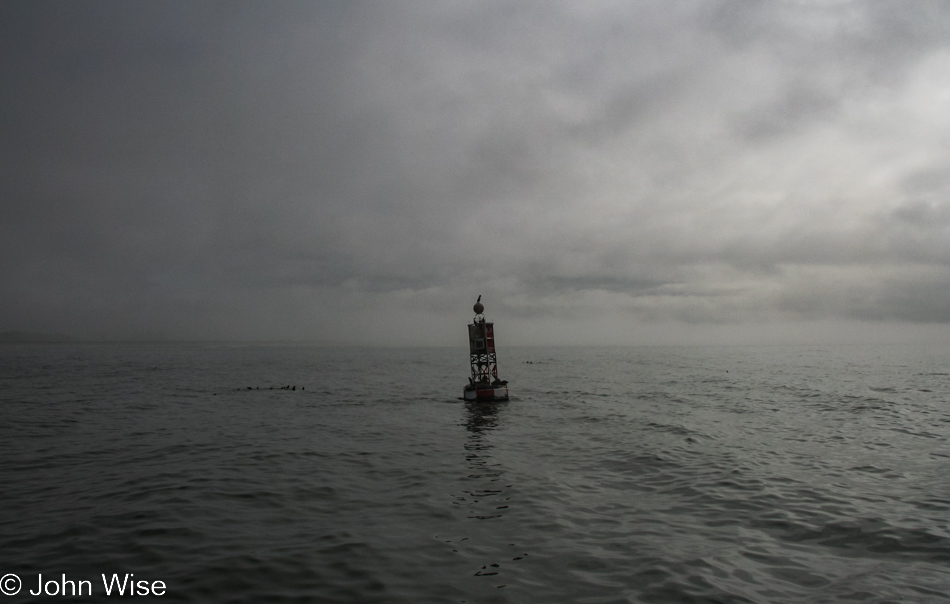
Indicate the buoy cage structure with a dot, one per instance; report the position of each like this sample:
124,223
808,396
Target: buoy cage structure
484,385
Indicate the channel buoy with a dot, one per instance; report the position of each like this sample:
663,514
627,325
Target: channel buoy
484,385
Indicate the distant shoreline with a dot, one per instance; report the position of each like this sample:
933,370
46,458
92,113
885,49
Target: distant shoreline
22,337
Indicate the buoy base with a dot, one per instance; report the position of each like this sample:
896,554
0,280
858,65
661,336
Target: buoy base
486,393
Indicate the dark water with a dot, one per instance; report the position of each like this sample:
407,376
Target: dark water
786,474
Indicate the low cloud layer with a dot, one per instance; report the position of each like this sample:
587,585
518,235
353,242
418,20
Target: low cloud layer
360,172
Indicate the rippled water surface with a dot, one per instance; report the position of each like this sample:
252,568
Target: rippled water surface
785,474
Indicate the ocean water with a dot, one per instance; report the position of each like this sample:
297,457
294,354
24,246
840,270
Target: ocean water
652,474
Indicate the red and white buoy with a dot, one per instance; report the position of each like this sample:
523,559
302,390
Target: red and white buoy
484,385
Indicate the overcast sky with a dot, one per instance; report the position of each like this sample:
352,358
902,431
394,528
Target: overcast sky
359,172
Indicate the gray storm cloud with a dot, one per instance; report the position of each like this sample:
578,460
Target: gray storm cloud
359,172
